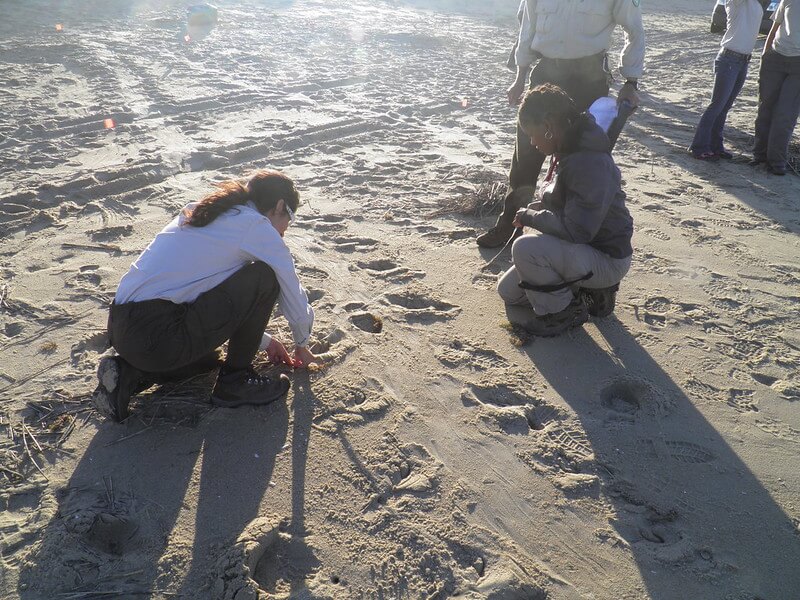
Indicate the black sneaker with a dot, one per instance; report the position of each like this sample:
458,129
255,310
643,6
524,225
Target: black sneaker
248,387
600,302
118,382
575,315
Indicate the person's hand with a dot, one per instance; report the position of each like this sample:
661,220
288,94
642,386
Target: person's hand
515,91
519,217
303,357
629,93
277,354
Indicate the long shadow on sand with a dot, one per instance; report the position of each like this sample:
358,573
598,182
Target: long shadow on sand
131,499
674,128
697,521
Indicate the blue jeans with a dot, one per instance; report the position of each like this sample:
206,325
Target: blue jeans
729,74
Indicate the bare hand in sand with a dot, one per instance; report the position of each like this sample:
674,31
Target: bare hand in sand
303,357
277,354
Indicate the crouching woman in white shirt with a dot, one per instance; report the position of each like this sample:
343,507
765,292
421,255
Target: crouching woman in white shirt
212,275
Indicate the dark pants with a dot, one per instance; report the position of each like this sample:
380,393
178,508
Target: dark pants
585,80
159,336
730,71
778,107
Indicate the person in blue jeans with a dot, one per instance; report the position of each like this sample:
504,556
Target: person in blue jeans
730,71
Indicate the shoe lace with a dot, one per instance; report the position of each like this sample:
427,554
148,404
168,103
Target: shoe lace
253,378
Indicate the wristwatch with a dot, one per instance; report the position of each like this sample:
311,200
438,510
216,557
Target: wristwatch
632,82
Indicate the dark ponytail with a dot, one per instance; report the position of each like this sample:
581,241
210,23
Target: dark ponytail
264,190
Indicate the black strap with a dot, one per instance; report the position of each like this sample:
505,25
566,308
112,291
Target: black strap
554,287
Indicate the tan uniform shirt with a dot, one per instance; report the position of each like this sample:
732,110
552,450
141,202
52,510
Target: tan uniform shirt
579,28
787,38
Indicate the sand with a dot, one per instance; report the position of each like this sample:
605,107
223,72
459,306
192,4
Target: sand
651,454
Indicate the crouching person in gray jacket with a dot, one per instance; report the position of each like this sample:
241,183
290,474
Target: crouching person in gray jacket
577,246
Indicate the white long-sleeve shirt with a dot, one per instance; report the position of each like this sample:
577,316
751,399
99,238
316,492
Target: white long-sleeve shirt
578,28
183,261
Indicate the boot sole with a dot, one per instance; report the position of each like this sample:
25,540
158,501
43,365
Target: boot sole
113,394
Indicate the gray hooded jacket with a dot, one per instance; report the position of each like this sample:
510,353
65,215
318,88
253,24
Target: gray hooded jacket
584,203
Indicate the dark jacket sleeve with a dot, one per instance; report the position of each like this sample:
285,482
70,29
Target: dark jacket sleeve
591,185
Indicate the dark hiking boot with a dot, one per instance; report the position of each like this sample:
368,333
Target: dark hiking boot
496,236
118,382
600,302
501,232
575,315
245,386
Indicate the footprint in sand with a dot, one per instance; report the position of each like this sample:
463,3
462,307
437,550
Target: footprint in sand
459,354
86,350
384,268
353,244
111,233
332,346
366,321
779,429
264,562
739,399
309,272
26,510
351,403
323,223
627,397
416,306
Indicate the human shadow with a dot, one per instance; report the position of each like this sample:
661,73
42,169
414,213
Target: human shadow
695,518
131,498
667,133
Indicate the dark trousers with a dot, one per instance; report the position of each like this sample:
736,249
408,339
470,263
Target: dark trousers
778,107
730,72
585,80
159,336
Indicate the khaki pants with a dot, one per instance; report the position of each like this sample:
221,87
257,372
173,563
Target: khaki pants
541,259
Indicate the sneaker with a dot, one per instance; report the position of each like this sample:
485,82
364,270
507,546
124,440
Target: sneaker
245,386
118,382
600,302
706,155
575,315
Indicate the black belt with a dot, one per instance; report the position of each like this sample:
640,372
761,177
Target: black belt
600,56
555,286
735,54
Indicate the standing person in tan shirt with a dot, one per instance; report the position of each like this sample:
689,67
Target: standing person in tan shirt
570,41
779,89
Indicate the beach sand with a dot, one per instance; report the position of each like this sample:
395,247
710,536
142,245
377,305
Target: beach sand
651,454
